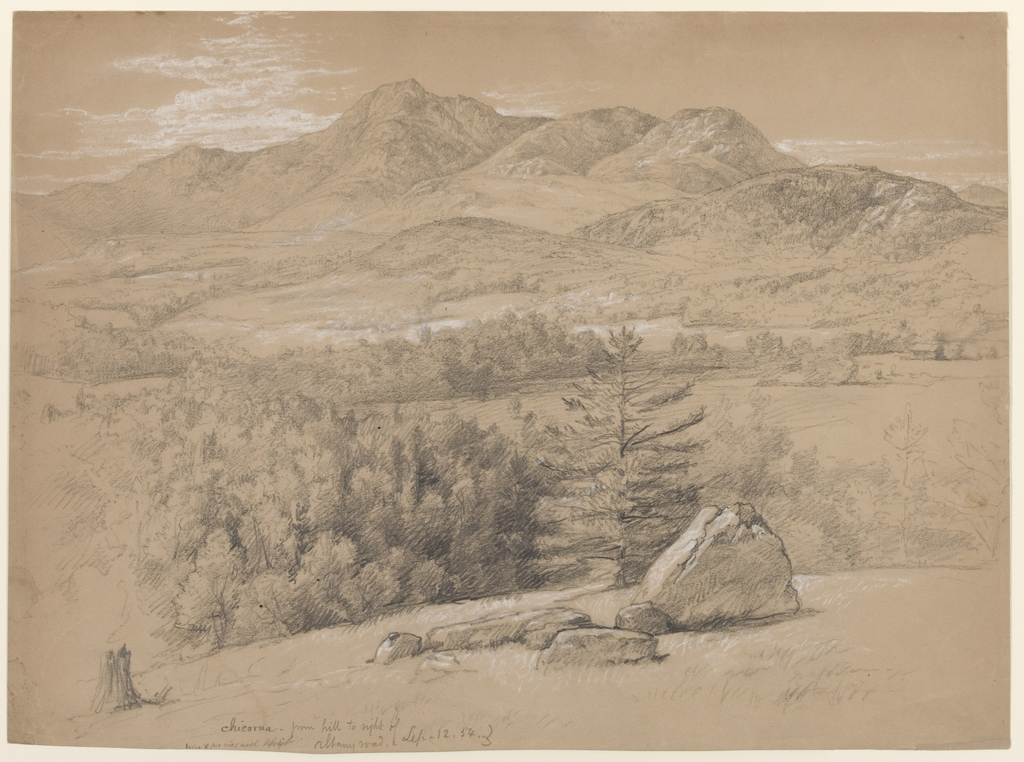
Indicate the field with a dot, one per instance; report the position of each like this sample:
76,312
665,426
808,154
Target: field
865,643
872,653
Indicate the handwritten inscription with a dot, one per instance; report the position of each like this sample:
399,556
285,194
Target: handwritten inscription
416,735
236,727
349,734
279,742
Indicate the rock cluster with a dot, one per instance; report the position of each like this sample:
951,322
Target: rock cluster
727,568
534,629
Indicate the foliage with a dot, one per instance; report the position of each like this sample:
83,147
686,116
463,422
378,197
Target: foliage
979,489
843,515
265,497
269,519
904,436
630,463
478,359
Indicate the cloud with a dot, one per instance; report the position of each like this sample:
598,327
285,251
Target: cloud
959,180
242,89
40,185
56,155
248,17
823,151
250,89
542,99
955,163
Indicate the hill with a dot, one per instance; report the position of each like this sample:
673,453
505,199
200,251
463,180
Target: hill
984,195
818,208
557,203
443,273
840,662
696,151
402,157
570,146
493,247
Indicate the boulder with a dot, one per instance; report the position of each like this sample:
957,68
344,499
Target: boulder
643,617
728,567
598,647
534,629
398,645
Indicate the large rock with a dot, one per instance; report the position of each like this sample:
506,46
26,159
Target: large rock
534,629
598,647
643,617
398,645
727,567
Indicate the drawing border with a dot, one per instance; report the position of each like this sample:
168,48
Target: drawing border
18,752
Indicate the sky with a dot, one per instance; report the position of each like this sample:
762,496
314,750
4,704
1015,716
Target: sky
95,94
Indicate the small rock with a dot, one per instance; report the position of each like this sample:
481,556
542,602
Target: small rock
398,645
727,567
598,647
438,663
643,617
534,629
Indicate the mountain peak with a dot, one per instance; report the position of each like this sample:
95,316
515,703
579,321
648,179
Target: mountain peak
189,161
451,133
706,126
405,86
571,145
697,151
719,113
394,96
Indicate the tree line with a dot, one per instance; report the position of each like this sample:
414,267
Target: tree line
262,515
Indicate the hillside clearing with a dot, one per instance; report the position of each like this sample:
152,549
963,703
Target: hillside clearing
870,652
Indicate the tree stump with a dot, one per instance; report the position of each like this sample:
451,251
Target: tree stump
115,685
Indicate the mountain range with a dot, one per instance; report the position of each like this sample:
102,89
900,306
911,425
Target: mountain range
402,157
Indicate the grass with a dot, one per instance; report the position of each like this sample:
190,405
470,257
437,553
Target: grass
876,660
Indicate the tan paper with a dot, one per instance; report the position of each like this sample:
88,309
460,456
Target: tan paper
366,368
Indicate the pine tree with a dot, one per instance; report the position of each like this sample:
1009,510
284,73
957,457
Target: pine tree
630,464
905,437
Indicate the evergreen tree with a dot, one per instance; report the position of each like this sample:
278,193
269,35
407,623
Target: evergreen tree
628,457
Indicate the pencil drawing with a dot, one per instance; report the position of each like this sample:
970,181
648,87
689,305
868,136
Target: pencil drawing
349,416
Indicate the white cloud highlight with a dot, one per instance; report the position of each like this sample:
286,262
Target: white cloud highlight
955,163
554,99
823,151
241,91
